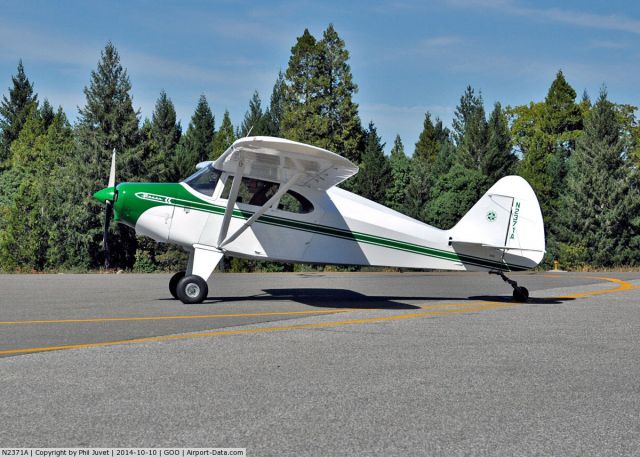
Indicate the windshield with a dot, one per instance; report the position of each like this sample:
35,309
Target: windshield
204,180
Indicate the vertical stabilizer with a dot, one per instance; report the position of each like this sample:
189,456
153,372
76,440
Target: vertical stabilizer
505,226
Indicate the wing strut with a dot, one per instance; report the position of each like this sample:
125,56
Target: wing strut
263,209
233,195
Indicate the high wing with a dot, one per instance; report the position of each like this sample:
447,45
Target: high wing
279,160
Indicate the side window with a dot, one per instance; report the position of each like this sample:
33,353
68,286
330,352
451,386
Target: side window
295,203
257,192
252,191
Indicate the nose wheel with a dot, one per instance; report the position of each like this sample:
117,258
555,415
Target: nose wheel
520,294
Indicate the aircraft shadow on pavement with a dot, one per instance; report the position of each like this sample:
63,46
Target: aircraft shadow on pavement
344,298
339,298
324,298
530,301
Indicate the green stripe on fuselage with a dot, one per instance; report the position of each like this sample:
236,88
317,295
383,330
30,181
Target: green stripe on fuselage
136,198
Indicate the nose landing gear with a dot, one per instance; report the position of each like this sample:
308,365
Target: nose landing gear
520,294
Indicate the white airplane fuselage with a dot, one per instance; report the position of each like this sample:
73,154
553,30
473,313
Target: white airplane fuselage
342,228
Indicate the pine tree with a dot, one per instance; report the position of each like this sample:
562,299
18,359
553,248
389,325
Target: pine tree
302,106
202,130
224,138
430,140
14,111
196,144
273,115
319,109
23,241
108,121
254,119
545,133
38,225
562,115
185,160
433,149
47,114
453,194
374,177
418,190
67,242
469,104
470,129
499,160
344,131
400,165
162,135
602,200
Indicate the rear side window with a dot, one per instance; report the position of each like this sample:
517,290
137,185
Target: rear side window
295,203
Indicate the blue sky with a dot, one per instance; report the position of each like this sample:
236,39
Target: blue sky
407,57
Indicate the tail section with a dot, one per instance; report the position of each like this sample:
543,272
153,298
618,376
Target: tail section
504,229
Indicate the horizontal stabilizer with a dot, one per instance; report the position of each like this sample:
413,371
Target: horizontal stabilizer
502,248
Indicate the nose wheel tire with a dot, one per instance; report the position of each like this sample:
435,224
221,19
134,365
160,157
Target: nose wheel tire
192,289
173,283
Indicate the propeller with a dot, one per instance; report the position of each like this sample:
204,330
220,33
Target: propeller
107,196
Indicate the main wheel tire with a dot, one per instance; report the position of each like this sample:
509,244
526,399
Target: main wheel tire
520,294
192,289
173,283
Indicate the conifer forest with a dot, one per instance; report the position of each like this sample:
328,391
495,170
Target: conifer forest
580,153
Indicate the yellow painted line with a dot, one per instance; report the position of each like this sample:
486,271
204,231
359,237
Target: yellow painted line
623,285
161,318
261,330
208,316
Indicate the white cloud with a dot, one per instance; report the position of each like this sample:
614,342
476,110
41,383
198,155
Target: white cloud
606,44
572,17
47,48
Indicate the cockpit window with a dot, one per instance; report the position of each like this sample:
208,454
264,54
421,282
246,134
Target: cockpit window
252,191
257,192
204,180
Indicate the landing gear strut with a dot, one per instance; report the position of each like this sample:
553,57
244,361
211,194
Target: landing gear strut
190,286
520,294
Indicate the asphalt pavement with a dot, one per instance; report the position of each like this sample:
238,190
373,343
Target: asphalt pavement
324,364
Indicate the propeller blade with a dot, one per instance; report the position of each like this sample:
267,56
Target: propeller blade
112,173
105,235
108,212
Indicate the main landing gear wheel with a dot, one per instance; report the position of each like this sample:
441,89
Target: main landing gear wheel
520,294
192,289
173,283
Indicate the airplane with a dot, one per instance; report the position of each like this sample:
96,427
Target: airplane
268,198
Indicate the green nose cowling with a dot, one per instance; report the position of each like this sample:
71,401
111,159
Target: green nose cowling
104,195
